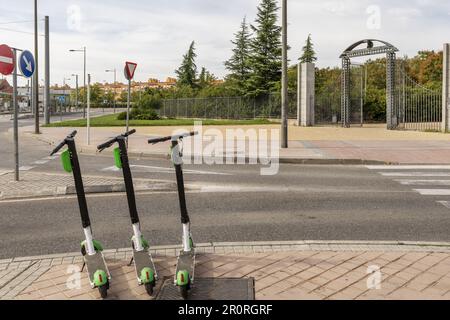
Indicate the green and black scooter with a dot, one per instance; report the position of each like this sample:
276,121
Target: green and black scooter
184,275
143,262
99,276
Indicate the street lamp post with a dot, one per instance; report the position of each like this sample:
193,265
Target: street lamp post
115,81
284,93
76,92
84,76
36,74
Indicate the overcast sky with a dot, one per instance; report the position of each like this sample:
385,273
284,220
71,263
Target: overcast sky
156,33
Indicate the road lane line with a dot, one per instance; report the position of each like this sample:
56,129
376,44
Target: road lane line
423,182
411,167
433,192
415,174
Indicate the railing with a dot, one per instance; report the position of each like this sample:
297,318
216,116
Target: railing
235,108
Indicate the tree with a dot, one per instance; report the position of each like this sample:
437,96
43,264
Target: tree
187,73
205,79
266,51
309,55
239,64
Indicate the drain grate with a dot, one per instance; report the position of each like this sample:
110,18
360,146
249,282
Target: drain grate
212,289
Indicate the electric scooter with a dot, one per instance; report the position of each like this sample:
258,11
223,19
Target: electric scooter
99,276
143,262
184,275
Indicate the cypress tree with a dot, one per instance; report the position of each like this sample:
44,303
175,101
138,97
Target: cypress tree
187,73
238,64
309,55
266,51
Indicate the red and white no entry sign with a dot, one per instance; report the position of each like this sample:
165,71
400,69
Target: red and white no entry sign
130,68
7,63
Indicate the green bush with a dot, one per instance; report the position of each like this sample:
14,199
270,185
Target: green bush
136,114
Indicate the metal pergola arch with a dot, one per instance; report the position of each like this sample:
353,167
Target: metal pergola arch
373,47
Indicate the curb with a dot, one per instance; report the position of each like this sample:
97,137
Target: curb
254,247
286,160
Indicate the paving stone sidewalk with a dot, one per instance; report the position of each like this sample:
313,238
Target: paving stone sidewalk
300,270
36,184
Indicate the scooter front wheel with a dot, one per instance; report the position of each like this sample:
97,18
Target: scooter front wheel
184,291
149,287
103,290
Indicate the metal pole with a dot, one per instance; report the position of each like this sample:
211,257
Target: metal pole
362,96
89,110
84,105
36,74
284,94
128,105
299,94
16,119
115,81
47,71
76,93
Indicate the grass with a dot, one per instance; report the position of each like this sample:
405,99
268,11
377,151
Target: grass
112,121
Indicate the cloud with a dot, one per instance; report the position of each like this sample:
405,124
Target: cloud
156,33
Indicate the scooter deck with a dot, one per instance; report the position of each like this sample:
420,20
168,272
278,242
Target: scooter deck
95,263
143,259
186,261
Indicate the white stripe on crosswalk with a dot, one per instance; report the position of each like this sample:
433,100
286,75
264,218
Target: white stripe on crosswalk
423,182
415,174
433,192
411,167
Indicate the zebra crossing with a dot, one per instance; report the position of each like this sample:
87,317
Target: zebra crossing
426,180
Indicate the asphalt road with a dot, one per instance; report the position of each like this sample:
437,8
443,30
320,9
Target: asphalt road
235,204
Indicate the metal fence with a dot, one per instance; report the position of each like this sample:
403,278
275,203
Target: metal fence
235,108
418,108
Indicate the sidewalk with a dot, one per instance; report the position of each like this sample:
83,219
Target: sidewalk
297,270
319,145
35,184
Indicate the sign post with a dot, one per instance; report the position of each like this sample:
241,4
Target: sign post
130,68
8,59
89,110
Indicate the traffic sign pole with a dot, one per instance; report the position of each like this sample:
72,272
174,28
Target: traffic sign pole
128,106
16,120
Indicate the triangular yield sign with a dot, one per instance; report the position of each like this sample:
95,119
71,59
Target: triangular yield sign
131,68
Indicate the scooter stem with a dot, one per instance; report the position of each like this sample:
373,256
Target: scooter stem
90,249
187,237
137,237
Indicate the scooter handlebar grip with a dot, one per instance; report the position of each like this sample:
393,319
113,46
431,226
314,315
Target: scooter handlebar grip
73,134
106,145
129,133
158,140
59,147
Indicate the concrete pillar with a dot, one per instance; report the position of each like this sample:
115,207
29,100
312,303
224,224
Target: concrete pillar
306,94
446,90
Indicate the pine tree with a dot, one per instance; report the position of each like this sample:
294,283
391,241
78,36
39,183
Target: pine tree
206,78
187,73
238,64
266,51
309,55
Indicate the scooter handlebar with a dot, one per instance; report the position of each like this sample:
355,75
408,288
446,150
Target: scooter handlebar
62,144
171,138
108,144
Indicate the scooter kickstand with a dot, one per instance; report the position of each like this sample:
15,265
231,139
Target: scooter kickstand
131,262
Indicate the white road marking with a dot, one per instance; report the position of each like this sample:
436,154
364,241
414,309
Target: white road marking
424,182
138,168
26,168
412,167
445,204
433,192
41,162
415,174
